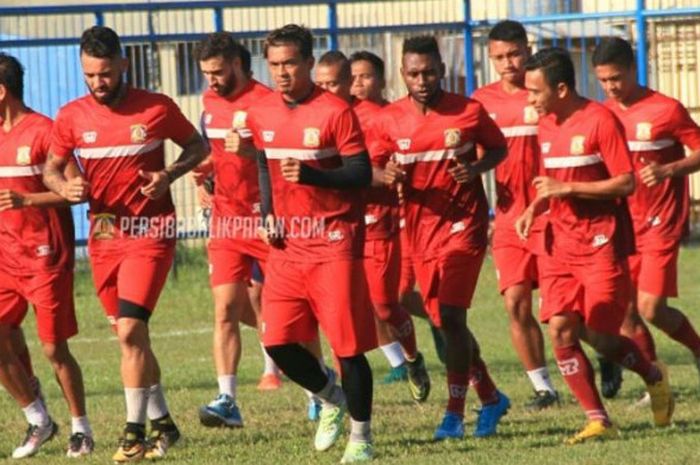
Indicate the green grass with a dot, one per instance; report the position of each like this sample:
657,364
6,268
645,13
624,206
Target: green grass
276,428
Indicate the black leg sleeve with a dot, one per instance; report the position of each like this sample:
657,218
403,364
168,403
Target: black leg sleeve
299,366
357,384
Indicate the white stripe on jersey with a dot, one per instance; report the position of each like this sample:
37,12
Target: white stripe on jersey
643,146
220,133
20,171
300,154
575,161
432,155
519,131
116,151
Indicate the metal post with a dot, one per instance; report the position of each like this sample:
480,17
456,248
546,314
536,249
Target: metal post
641,26
99,18
218,19
468,49
333,24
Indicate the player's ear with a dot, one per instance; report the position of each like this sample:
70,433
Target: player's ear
311,61
562,90
3,92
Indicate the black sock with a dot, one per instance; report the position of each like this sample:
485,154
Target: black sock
299,365
357,384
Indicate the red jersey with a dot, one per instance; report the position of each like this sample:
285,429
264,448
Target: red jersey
441,215
588,146
112,145
657,128
382,209
518,122
236,189
319,224
31,239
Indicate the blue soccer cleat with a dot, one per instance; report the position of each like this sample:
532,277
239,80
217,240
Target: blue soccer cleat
490,415
222,411
451,427
313,411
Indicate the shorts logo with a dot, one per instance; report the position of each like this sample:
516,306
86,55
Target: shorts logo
546,146
530,115
268,136
44,251
256,207
103,226
312,137
578,145
90,137
654,220
24,155
568,367
370,219
335,236
644,131
239,118
600,240
452,138
138,133
404,144
457,227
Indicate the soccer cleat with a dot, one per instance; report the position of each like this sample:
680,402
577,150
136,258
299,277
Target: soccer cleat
542,400
396,375
163,436
80,444
269,382
594,430
35,437
610,378
222,411
662,403
357,451
132,447
490,415
418,379
451,427
330,426
313,411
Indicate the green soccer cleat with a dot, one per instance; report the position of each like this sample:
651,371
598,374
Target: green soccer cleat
418,379
357,451
330,426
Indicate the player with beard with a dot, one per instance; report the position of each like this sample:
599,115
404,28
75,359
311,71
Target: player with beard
118,133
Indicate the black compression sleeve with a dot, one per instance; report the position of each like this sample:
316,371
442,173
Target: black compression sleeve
265,186
355,172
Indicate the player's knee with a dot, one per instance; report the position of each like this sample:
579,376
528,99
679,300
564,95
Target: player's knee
562,335
56,353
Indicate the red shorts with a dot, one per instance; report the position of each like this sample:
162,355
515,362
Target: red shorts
600,291
407,283
383,269
515,264
137,274
300,297
448,280
655,272
231,260
51,294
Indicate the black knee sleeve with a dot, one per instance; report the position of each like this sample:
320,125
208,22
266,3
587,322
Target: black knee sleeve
299,365
131,310
357,384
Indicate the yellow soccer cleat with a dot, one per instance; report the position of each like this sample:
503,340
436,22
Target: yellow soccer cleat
662,403
594,430
131,448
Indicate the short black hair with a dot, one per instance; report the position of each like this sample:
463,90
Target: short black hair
291,34
336,57
100,42
421,45
613,51
220,44
246,59
509,31
556,66
376,62
12,75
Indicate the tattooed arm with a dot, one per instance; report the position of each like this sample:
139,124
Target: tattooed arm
73,188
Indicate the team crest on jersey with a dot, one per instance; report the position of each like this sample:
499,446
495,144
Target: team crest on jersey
207,118
268,136
577,145
404,144
546,147
103,226
24,155
644,131
239,118
452,138
138,133
530,115
89,137
312,137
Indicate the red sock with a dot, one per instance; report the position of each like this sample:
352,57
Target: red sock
457,391
26,360
578,374
686,335
402,327
645,341
631,357
482,383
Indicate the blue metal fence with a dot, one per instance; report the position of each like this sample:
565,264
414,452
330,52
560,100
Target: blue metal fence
159,37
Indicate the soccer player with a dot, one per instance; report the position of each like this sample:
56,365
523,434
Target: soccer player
117,132
432,135
382,257
584,281
657,128
36,267
313,166
516,263
233,245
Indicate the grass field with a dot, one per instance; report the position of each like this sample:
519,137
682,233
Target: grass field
277,431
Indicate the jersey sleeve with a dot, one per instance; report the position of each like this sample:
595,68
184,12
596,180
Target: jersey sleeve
347,133
256,136
489,135
612,145
62,143
379,145
177,127
684,129
43,141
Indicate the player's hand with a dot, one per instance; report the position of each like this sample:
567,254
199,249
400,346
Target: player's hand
10,199
549,187
393,173
523,224
291,169
157,183
653,174
204,197
202,171
75,189
232,141
269,233
462,172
